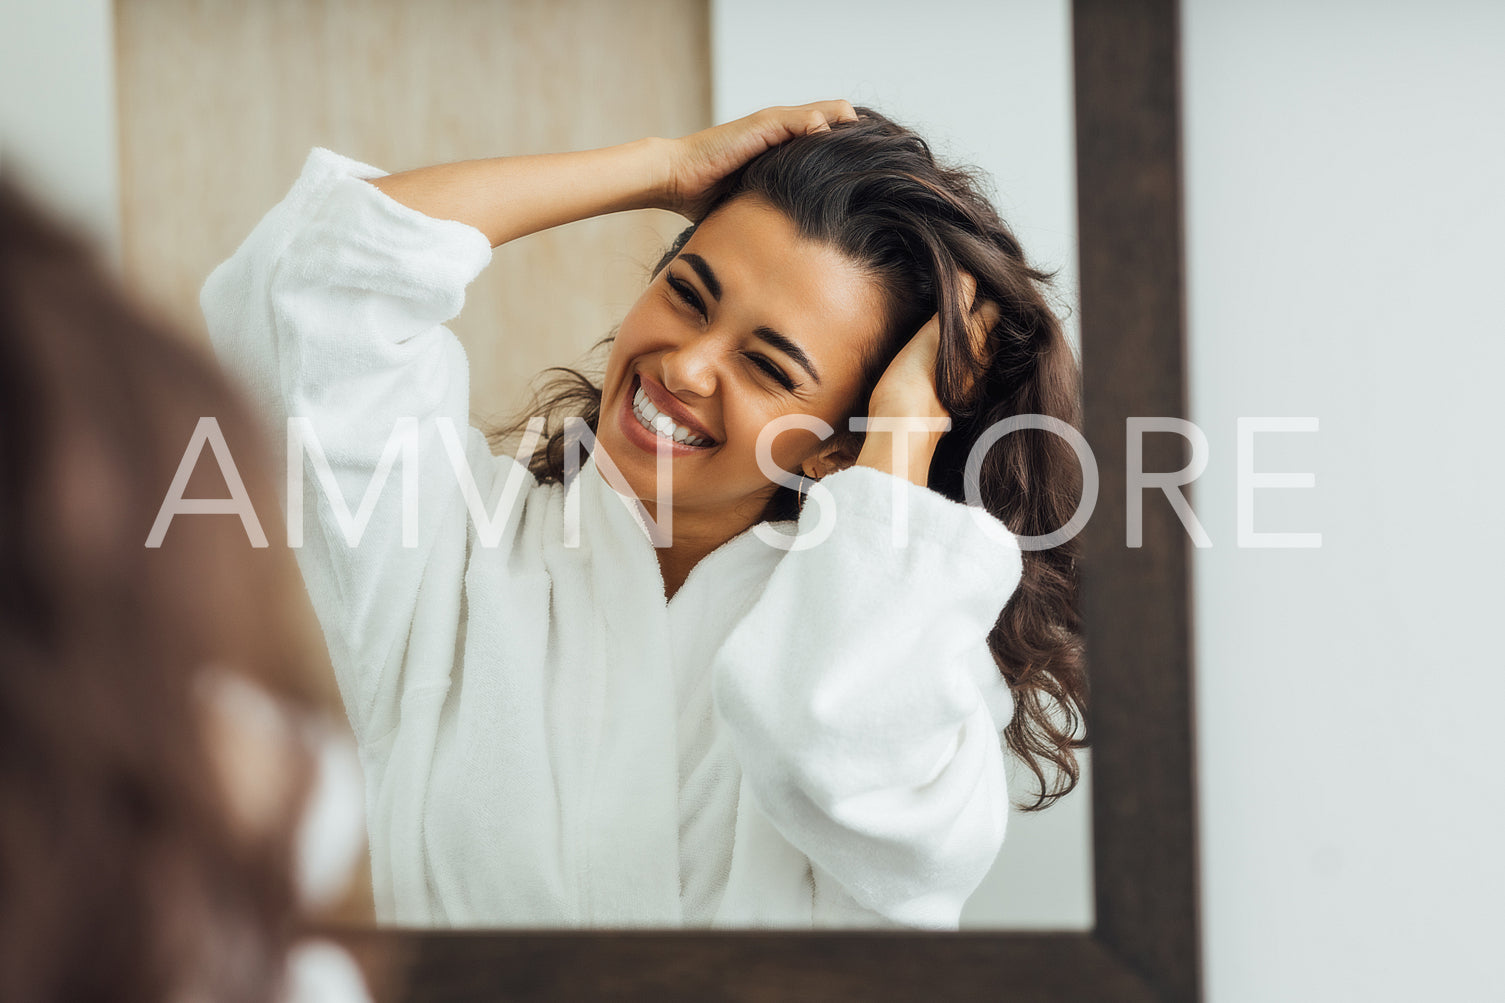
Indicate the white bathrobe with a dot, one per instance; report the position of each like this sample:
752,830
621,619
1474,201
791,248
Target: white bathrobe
799,738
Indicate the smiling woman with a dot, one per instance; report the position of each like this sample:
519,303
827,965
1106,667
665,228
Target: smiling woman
609,728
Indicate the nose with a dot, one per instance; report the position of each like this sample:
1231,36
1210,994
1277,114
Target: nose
691,367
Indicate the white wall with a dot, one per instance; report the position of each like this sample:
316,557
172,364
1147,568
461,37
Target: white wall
987,83
57,109
1344,220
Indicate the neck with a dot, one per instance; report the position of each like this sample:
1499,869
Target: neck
695,536
675,564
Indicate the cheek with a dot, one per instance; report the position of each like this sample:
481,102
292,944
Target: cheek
630,341
790,446
649,326
794,446
629,336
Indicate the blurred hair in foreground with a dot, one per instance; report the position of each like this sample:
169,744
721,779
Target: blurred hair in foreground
143,855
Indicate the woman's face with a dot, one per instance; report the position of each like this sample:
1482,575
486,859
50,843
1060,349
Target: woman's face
750,322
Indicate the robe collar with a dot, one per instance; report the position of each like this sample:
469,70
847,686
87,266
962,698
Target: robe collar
616,532
651,654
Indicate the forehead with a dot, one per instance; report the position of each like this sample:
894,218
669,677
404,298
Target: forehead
772,276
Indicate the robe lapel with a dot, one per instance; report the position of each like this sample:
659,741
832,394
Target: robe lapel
651,667
632,787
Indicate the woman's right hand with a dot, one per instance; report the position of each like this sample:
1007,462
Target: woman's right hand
699,160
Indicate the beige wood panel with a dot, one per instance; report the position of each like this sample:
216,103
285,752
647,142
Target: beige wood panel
221,100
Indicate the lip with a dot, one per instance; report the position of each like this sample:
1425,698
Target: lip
633,431
666,402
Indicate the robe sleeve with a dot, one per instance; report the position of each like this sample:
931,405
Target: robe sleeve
864,705
332,313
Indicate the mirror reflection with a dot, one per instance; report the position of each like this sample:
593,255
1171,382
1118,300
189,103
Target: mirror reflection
711,626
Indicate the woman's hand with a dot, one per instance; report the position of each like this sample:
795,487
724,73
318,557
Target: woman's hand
699,160
906,393
509,197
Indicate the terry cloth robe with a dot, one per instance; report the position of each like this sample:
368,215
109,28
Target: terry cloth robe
799,738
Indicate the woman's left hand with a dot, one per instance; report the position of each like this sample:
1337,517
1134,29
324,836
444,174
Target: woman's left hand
906,394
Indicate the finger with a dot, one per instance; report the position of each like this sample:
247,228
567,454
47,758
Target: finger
815,121
781,123
968,289
820,115
988,315
981,316
982,324
985,312
838,110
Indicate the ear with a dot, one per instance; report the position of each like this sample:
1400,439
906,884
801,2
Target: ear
837,453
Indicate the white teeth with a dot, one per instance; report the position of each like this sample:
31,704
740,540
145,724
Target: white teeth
655,420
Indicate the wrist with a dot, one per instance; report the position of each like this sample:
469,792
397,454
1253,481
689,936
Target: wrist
902,447
652,167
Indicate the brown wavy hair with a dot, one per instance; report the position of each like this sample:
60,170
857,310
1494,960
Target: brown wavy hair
125,873
873,190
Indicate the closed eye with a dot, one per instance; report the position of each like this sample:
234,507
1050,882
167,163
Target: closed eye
686,293
772,370
691,298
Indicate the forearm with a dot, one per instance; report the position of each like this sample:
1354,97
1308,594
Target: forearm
510,197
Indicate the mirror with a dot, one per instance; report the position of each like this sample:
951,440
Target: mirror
239,94
1144,942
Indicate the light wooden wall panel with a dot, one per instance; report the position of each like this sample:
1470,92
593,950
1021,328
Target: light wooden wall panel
220,101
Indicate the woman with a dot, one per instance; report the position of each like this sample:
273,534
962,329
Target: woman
173,790
605,699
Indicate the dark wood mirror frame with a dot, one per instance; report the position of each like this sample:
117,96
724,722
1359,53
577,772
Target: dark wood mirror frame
1138,629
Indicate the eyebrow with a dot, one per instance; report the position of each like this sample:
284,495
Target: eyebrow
703,269
779,341
789,348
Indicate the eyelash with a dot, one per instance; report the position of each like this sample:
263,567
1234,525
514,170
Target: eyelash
772,370
692,299
687,294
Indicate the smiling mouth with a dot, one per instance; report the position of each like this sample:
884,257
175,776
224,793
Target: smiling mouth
661,424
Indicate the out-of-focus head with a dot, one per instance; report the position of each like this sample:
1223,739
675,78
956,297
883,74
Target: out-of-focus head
135,863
